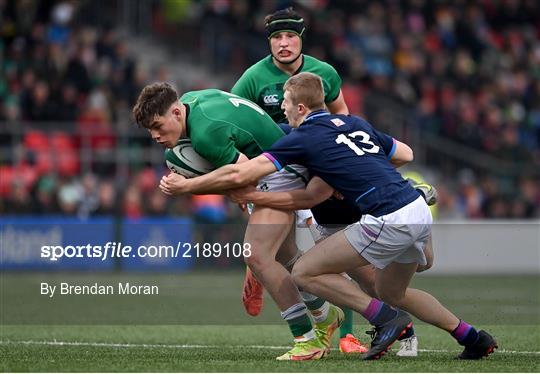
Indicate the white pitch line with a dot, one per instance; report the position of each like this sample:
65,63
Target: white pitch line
203,346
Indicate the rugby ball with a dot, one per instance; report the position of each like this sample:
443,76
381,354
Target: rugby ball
182,159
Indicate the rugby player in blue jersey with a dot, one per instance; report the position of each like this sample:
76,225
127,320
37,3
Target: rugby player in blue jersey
359,162
329,217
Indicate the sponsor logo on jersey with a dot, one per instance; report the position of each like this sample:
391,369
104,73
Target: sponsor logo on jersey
271,99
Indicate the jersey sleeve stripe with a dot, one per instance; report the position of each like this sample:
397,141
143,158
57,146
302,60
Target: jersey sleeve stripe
393,149
274,161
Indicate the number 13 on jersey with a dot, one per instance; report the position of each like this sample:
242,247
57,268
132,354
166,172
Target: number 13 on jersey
344,139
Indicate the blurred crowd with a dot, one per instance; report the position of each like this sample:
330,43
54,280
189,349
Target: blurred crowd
90,195
68,82
462,70
468,71
60,65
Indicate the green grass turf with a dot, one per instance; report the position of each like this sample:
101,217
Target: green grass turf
508,307
236,348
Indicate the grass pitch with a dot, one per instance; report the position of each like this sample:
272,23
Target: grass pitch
508,308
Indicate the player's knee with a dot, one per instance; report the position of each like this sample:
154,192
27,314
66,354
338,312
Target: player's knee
257,261
254,262
300,275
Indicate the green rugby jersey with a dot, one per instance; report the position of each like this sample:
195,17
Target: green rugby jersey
263,84
222,125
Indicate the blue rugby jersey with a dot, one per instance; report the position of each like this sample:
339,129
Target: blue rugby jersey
331,211
353,158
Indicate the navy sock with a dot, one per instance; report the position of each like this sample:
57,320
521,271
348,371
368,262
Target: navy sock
378,312
465,334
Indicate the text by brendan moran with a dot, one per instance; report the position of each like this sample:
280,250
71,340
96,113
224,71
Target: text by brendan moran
120,288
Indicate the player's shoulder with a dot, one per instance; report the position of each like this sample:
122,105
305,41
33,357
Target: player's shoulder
189,97
348,121
312,63
207,108
295,135
257,68
353,119
251,80
195,96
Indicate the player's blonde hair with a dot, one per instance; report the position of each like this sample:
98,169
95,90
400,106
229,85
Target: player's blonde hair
307,89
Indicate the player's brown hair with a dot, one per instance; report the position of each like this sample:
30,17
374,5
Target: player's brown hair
306,88
154,100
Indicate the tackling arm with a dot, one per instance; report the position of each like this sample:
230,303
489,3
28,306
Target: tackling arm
315,193
223,178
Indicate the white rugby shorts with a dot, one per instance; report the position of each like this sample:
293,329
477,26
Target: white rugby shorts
400,236
321,232
291,177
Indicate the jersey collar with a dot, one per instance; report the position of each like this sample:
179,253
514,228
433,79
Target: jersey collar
299,70
316,114
187,116
301,65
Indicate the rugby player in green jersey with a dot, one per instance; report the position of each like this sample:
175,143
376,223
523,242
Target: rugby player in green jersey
263,83
227,129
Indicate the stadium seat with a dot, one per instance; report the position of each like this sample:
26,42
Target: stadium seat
36,140
6,178
44,160
67,162
61,141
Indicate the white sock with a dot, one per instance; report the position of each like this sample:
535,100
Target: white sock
320,315
310,335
